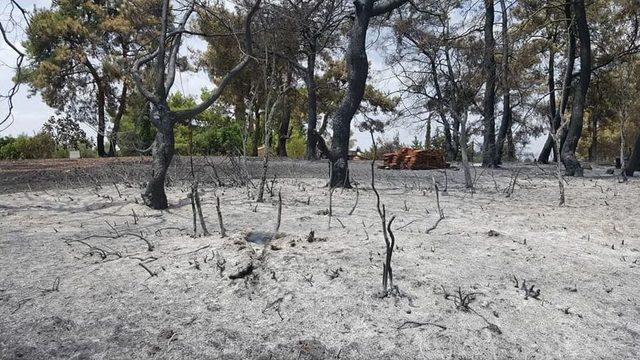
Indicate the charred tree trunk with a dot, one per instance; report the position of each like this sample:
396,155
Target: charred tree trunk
574,131
634,161
468,181
505,125
567,84
455,104
164,61
449,147
489,103
101,99
312,107
163,150
283,132
256,132
551,84
358,68
566,88
113,137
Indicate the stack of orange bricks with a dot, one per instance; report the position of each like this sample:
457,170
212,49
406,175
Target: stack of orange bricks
413,159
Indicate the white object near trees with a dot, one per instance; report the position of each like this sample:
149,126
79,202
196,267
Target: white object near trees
74,154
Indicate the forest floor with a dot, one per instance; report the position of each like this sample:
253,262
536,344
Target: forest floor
86,271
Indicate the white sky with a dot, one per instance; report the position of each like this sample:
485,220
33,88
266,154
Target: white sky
31,112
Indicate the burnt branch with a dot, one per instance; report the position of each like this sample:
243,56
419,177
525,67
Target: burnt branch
223,231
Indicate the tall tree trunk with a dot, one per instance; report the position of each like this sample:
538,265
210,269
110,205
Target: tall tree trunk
312,107
358,67
163,150
505,125
456,107
449,147
574,131
101,99
551,86
566,88
468,181
547,148
634,161
269,111
283,133
122,106
567,83
256,132
489,103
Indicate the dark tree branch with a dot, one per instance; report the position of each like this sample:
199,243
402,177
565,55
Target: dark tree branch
189,113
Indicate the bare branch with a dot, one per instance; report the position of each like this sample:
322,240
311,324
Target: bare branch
189,113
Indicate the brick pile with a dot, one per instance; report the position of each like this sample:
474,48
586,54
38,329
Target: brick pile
414,159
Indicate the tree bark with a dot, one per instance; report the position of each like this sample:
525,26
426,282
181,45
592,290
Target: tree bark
113,137
283,133
162,117
163,150
505,125
456,105
566,88
358,67
256,132
468,181
634,161
312,106
574,131
551,85
450,148
489,124
101,99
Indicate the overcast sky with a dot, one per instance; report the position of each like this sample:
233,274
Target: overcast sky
30,112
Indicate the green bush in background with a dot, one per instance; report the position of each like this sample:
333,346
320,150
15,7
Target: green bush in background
39,146
297,145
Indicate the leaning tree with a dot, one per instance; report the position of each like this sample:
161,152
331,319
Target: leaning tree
162,62
358,69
